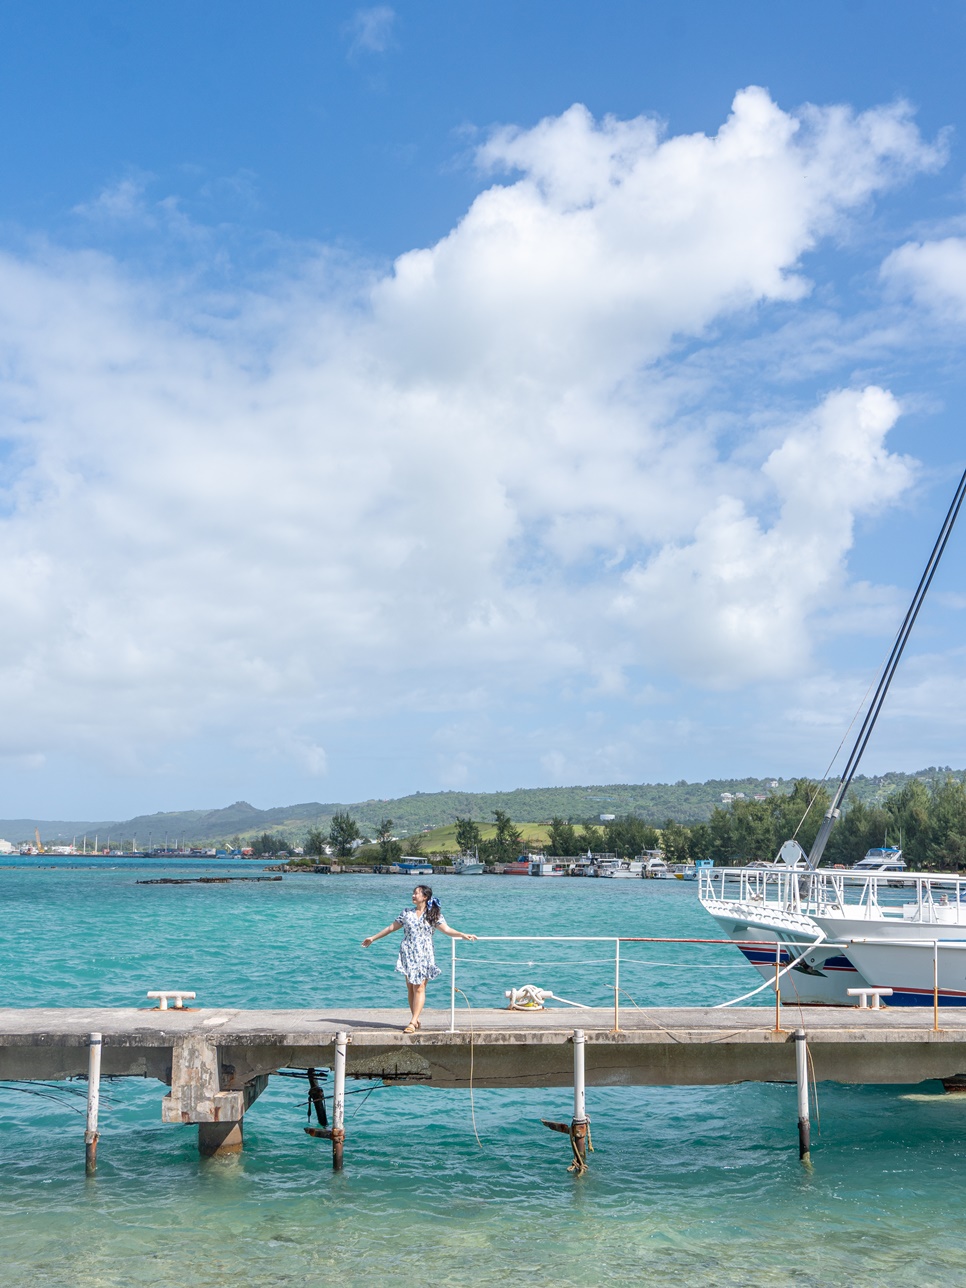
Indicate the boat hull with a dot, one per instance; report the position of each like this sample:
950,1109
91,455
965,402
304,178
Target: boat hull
822,978
905,966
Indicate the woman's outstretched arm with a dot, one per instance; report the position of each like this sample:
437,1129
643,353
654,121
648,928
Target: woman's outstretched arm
453,934
388,931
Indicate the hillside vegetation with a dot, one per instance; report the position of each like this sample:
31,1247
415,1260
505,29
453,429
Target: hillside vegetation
654,803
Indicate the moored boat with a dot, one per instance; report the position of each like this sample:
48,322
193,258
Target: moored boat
518,868
413,868
467,865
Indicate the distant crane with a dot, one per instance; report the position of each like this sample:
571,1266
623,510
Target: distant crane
40,848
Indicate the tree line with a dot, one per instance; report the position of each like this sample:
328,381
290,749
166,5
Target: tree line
929,822
929,825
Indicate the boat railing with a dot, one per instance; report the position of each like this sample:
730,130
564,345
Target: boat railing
934,895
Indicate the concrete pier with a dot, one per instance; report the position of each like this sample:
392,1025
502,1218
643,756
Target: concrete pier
217,1061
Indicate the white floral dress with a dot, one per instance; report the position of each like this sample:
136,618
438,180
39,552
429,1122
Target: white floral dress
416,959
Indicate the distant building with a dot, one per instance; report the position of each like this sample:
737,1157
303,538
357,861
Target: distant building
6,847
726,798
607,818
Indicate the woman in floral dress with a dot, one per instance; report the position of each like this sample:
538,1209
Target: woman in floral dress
416,959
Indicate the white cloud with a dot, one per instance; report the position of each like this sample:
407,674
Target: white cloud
120,201
933,273
734,603
289,510
371,29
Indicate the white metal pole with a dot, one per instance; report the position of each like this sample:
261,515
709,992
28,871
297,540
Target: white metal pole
935,985
617,985
801,1078
338,1102
452,986
580,1097
93,1103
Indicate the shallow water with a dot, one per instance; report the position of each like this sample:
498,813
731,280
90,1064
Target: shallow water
687,1185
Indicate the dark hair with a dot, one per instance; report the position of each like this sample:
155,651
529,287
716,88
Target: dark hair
432,905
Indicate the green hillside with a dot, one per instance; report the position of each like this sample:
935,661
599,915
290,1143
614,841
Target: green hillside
653,802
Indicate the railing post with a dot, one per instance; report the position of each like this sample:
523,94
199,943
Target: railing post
778,986
452,986
91,1135
935,986
617,985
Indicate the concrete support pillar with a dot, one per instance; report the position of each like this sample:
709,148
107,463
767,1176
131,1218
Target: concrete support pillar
220,1140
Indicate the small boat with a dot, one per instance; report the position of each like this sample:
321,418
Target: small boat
468,866
626,868
518,868
413,868
656,868
583,867
885,858
546,868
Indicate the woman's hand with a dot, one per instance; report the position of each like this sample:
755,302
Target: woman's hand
473,937
366,943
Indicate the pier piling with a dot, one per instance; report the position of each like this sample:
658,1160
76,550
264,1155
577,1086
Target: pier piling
801,1078
338,1101
93,1103
579,1128
317,1099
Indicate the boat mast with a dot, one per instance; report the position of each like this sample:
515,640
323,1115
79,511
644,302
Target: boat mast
885,679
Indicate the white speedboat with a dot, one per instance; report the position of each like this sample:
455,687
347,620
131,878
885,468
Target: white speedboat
656,868
626,868
885,858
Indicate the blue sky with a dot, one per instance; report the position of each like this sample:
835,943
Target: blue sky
398,397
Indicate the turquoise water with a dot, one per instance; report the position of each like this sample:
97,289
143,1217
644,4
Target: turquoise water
687,1185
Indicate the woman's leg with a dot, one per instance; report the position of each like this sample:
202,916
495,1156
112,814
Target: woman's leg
409,994
419,999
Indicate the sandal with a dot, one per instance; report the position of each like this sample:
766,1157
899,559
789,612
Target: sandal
410,1028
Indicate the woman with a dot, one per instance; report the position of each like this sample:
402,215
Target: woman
416,960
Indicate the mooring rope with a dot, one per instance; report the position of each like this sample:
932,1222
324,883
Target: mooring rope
579,1164
472,1037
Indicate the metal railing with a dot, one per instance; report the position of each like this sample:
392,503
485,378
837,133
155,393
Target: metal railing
617,940
779,946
